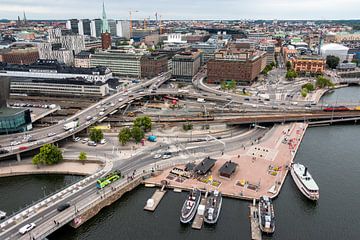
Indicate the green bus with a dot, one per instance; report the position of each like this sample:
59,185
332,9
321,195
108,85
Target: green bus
108,179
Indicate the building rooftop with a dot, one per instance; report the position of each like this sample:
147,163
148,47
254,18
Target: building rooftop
205,165
228,168
5,111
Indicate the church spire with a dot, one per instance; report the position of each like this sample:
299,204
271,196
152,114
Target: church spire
105,24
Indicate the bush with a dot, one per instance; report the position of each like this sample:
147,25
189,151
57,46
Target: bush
187,126
309,86
304,92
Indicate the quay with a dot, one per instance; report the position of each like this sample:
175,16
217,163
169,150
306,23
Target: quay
154,201
199,217
254,222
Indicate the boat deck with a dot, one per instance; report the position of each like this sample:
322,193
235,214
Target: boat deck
255,228
199,219
157,196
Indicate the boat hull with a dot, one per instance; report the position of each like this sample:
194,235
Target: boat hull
312,197
187,218
215,219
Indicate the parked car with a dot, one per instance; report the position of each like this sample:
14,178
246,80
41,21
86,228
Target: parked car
92,143
157,156
103,141
77,139
27,228
85,140
51,134
167,155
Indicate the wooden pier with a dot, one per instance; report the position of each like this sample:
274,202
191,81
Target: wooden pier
199,217
154,201
254,220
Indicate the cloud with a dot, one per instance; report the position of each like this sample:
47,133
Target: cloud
183,9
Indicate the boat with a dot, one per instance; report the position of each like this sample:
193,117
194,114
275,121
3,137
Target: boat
213,207
266,215
2,215
190,206
304,181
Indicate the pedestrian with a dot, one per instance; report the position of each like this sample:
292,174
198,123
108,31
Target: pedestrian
54,222
238,156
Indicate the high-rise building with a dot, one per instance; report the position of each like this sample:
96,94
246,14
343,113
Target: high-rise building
186,64
84,27
112,27
95,27
73,25
123,29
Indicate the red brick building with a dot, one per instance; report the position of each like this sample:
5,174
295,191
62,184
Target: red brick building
105,40
153,64
23,54
243,67
309,64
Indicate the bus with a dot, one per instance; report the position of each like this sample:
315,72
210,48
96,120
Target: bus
108,179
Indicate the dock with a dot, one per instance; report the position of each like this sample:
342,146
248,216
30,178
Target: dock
199,217
254,220
154,201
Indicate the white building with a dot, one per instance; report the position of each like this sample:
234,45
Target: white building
123,29
335,49
174,38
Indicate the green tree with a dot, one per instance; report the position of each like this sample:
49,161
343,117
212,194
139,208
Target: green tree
49,154
309,86
290,74
332,61
187,126
144,123
322,82
137,133
96,135
82,157
223,85
232,84
124,135
304,92
288,65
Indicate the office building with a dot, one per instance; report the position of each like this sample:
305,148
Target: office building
242,66
19,54
186,64
85,27
121,62
153,64
73,25
112,27
82,60
51,69
95,27
309,64
123,29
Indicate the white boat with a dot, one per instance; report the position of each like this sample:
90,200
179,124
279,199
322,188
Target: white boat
304,181
213,207
190,206
266,215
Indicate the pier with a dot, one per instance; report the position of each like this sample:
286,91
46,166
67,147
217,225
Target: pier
199,217
254,222
154,201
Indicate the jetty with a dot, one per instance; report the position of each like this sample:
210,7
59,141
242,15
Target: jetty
199,217
254,222
154,201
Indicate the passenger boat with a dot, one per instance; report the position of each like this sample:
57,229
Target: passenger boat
213,207
266,215
304,181
190,206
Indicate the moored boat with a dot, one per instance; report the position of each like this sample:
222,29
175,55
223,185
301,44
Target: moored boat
304,181
190,206
266,215
213,207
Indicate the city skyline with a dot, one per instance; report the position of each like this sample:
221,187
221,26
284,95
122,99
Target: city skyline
181,10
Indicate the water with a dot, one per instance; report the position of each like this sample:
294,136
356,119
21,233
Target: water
19,191
342,95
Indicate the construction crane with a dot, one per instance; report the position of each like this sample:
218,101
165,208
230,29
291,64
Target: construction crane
130,13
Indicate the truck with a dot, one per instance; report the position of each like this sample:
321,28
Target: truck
201,100
71,125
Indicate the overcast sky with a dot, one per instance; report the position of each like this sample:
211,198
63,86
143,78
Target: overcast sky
183,9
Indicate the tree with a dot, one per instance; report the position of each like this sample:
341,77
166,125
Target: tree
309,86
187,126
82,157
304,92
322,82
332,61
137,133
144,123
49,154
232,84
291,74
223,85
124,135
288,65
96,135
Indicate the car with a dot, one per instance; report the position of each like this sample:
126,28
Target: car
294,103
88,118
92,143
112,104
125,94
275,107
77,139
247,99
121,99
63,206
27,228
85,140
94,118
157,156
14,143
167,155
103,141
101,113
51,134
102,109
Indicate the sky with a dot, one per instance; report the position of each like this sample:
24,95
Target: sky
183,9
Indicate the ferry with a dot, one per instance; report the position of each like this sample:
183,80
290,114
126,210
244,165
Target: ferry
190,206
304,181
213,207
266,215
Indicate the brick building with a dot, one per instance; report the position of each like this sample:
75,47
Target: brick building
19,54
309,64
243,67
186,64
105,40
153,64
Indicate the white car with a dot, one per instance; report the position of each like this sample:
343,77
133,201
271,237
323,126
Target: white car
103,141
85,140
157,156
101,113
112,104
27,228
51,134
120,99
77,139
14,143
